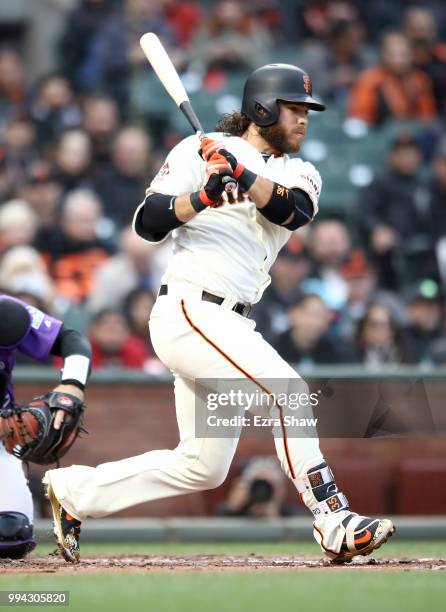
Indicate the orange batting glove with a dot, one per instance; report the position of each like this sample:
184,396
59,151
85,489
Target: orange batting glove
208,147
217,164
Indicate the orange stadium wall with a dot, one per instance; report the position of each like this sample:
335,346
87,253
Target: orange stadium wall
400,476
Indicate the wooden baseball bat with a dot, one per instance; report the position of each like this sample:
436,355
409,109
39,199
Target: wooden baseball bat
167,74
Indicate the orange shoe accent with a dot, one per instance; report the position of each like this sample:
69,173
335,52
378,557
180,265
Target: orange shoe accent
69,517
365,538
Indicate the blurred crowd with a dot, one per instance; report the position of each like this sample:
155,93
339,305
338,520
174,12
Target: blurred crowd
76,156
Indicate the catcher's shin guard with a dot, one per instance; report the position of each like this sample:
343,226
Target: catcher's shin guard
16,535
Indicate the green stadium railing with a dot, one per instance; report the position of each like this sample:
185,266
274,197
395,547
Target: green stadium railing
117,376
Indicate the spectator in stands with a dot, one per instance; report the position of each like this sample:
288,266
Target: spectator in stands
112,343
231,40
437,211
338,61
101,123
23,271
137,308
121,185
393,215
132,265
379,339
75,252
290,268
18,224
73,160
307,341
115,53
381,15
312,20
54,109
394,87
18,153
12,85
437,195
183,18
424,312
23,275
329,246
81,26
43,192
429,54
361,279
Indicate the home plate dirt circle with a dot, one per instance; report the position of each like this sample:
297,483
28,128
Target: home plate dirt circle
55,564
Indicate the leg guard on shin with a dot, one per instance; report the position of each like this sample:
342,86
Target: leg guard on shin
320,493
329,506
16,535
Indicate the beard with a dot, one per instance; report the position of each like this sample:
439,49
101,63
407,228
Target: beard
277,138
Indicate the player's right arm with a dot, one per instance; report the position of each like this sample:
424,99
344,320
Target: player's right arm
290,205
173,198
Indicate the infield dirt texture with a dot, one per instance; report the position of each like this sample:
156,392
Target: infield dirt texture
236,577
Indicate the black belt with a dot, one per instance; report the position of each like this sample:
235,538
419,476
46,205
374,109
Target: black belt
239,308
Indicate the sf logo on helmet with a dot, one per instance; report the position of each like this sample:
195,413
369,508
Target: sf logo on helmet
307,83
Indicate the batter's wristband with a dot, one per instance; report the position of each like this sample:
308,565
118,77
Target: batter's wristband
244,177
199,200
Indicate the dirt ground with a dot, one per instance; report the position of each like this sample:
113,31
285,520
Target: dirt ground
54,564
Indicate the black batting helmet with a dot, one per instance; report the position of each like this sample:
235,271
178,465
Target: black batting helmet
273,82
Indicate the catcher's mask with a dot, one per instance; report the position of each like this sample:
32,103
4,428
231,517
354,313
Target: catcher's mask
271,83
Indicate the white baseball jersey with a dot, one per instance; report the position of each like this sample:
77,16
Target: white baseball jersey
228,250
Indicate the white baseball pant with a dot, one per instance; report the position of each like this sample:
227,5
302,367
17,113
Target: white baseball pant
196,464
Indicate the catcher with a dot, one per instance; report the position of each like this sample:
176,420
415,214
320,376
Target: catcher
43,430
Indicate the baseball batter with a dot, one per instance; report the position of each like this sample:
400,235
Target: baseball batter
32,332
223,248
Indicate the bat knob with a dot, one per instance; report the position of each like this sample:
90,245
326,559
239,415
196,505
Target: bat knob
230,183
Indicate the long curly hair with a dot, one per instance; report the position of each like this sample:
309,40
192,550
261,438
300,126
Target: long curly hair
234,124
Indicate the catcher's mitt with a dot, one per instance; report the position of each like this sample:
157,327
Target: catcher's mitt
28,433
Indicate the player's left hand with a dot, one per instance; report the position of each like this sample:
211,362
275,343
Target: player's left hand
230,158
28,431
60,414
218,171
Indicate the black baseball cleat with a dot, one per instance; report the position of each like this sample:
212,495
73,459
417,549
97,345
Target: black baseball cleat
67,529
362,536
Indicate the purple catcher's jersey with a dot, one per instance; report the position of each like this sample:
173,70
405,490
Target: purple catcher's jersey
36,343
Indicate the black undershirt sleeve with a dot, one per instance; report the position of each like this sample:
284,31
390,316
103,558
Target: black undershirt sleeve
70,342
286,202
303,210
155,218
